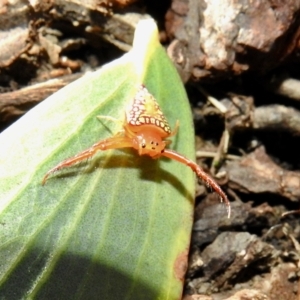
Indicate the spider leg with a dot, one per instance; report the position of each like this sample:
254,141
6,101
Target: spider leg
112,119
114,142
174,132
200,173
109,118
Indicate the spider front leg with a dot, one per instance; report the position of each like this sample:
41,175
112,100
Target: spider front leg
200,173
114,142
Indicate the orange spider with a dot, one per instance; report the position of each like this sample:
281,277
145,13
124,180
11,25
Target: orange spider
145,129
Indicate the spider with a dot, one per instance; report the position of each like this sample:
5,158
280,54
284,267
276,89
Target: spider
145,129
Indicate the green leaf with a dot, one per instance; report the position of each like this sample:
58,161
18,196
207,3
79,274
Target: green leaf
114,227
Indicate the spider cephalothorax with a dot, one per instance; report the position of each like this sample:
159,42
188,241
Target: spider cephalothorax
145,129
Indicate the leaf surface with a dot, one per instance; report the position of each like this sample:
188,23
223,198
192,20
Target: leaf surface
114,227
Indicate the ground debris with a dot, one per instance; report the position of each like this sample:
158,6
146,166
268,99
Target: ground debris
230,258
257,173
215,38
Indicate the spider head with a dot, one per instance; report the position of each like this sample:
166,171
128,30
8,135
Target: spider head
149,143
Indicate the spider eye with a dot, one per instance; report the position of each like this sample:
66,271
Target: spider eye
143,145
